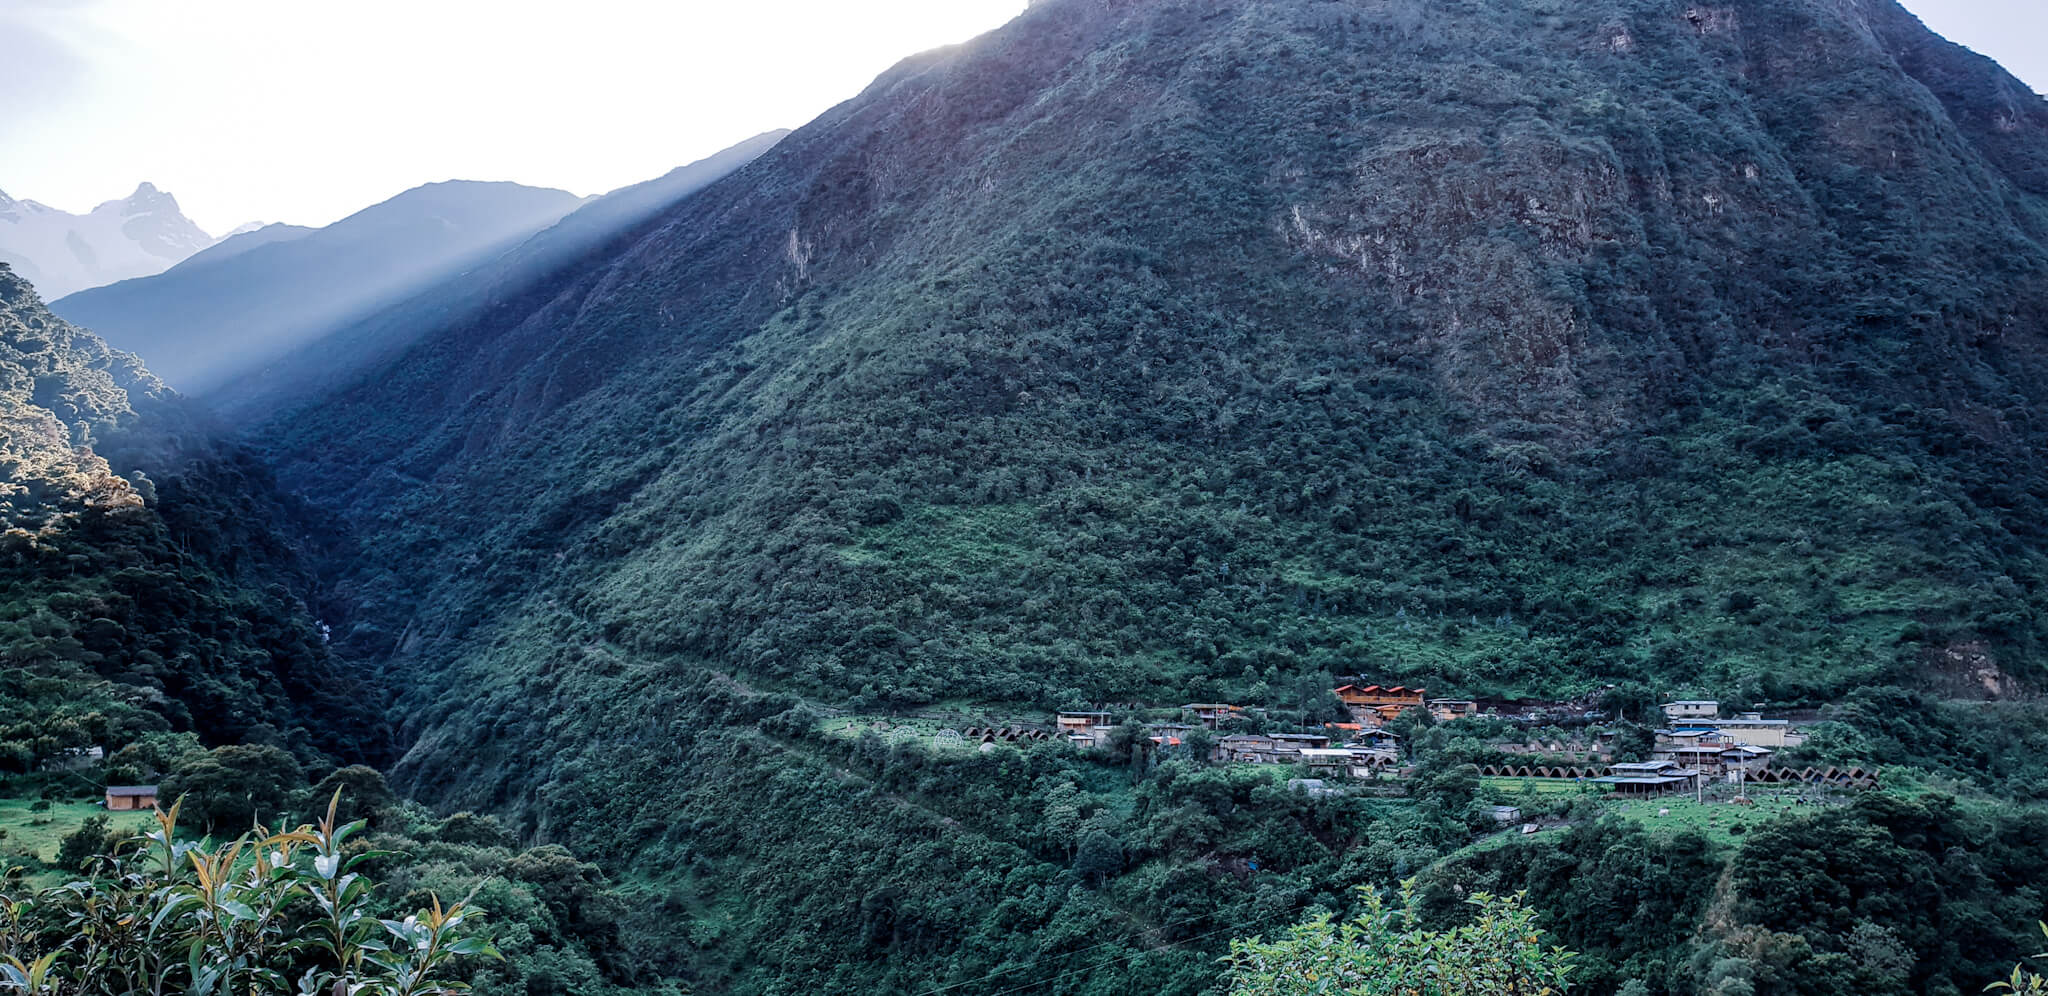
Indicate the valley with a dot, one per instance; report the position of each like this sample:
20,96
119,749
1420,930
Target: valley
994,538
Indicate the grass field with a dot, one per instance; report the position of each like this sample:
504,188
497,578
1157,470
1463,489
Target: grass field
923,732
1721,822
1540,786
32,834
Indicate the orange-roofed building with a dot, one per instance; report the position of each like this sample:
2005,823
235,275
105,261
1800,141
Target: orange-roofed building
1376,695
1377,705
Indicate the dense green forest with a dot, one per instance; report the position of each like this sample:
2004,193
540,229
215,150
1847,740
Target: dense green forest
157,602
1154,352
148,585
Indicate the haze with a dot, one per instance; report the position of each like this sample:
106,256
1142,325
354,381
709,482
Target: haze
304,112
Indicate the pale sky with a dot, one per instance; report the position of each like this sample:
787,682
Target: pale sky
306,110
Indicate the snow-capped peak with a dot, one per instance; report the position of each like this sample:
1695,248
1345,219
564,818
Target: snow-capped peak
137,236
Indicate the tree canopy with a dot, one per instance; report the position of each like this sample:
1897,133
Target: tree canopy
1386,951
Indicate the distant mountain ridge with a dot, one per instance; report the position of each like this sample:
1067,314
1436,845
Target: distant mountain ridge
332,358
59,253
258,295
236,243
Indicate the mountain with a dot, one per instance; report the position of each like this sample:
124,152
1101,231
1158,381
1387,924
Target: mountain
259,295
147,584
336,356
1155,351
238,242
60,252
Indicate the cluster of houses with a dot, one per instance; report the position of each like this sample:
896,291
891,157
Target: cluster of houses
1360,748
1362,758
1697,737
1697,744
1346,752
1377,705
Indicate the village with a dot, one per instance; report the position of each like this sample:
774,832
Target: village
1696,746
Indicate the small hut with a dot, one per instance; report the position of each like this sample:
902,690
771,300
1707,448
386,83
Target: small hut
121,798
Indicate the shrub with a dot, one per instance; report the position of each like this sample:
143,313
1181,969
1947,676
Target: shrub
1386,952
266,912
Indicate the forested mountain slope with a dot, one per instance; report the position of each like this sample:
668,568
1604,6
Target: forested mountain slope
1334,318
145,586
1167,351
